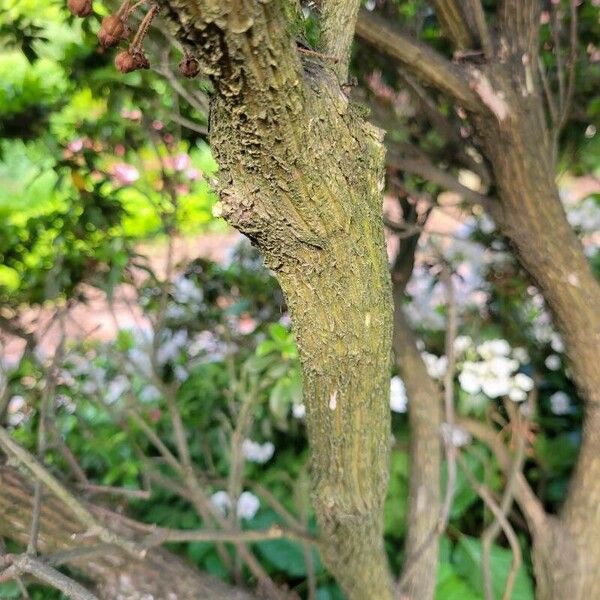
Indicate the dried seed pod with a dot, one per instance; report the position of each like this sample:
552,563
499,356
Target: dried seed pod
112,31
189,67
125,62
80,8
140,59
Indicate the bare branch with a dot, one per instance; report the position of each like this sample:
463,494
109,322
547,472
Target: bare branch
444,514
338,20
426,169
26,564
482,28
485,494
451,332
418,59
275,532
84,516
491,532
453,21
519,24
528,502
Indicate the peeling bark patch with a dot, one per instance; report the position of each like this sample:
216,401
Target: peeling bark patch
492,99
333,400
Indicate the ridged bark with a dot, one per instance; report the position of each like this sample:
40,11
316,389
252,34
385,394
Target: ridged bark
301,174
533,219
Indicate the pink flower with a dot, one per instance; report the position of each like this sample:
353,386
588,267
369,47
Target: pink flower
75,145
125,174
181,162
133,115
192,174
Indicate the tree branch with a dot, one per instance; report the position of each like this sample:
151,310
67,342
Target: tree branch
486,495
454,22
42,475
161,574
275,532
426,169
26,564
338,20
418,59
519,23
528,502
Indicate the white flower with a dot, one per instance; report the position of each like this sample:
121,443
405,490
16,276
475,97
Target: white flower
455,436
175,311
493,348
495,387
221,501
436,366
16,410
89,387
469,382
299,411
398,399
186,291
247,506
552,362
521,355
560,403
116,388
523,382
557,343
502,367
181,373
258,453
517,395
172,346
149,393
486,224
462,343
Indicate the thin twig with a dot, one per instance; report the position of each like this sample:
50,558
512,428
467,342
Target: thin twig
491,532
275,532
46,404
485,494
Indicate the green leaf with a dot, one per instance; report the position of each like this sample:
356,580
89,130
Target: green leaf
10,589
451,586
284,555
467,561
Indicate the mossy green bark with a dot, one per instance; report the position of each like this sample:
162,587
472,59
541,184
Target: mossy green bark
301,174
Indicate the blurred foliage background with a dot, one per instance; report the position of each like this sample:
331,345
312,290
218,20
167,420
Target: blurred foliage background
93,163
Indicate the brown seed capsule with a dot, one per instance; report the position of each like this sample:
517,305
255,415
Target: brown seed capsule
140,59
189,67
112,31
80,8
125,62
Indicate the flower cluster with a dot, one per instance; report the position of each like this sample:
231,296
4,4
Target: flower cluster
492,368
256,452
398,398
247,504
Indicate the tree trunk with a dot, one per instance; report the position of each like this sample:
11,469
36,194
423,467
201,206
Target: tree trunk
337,289
301,174
533,219
424,416
114,574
